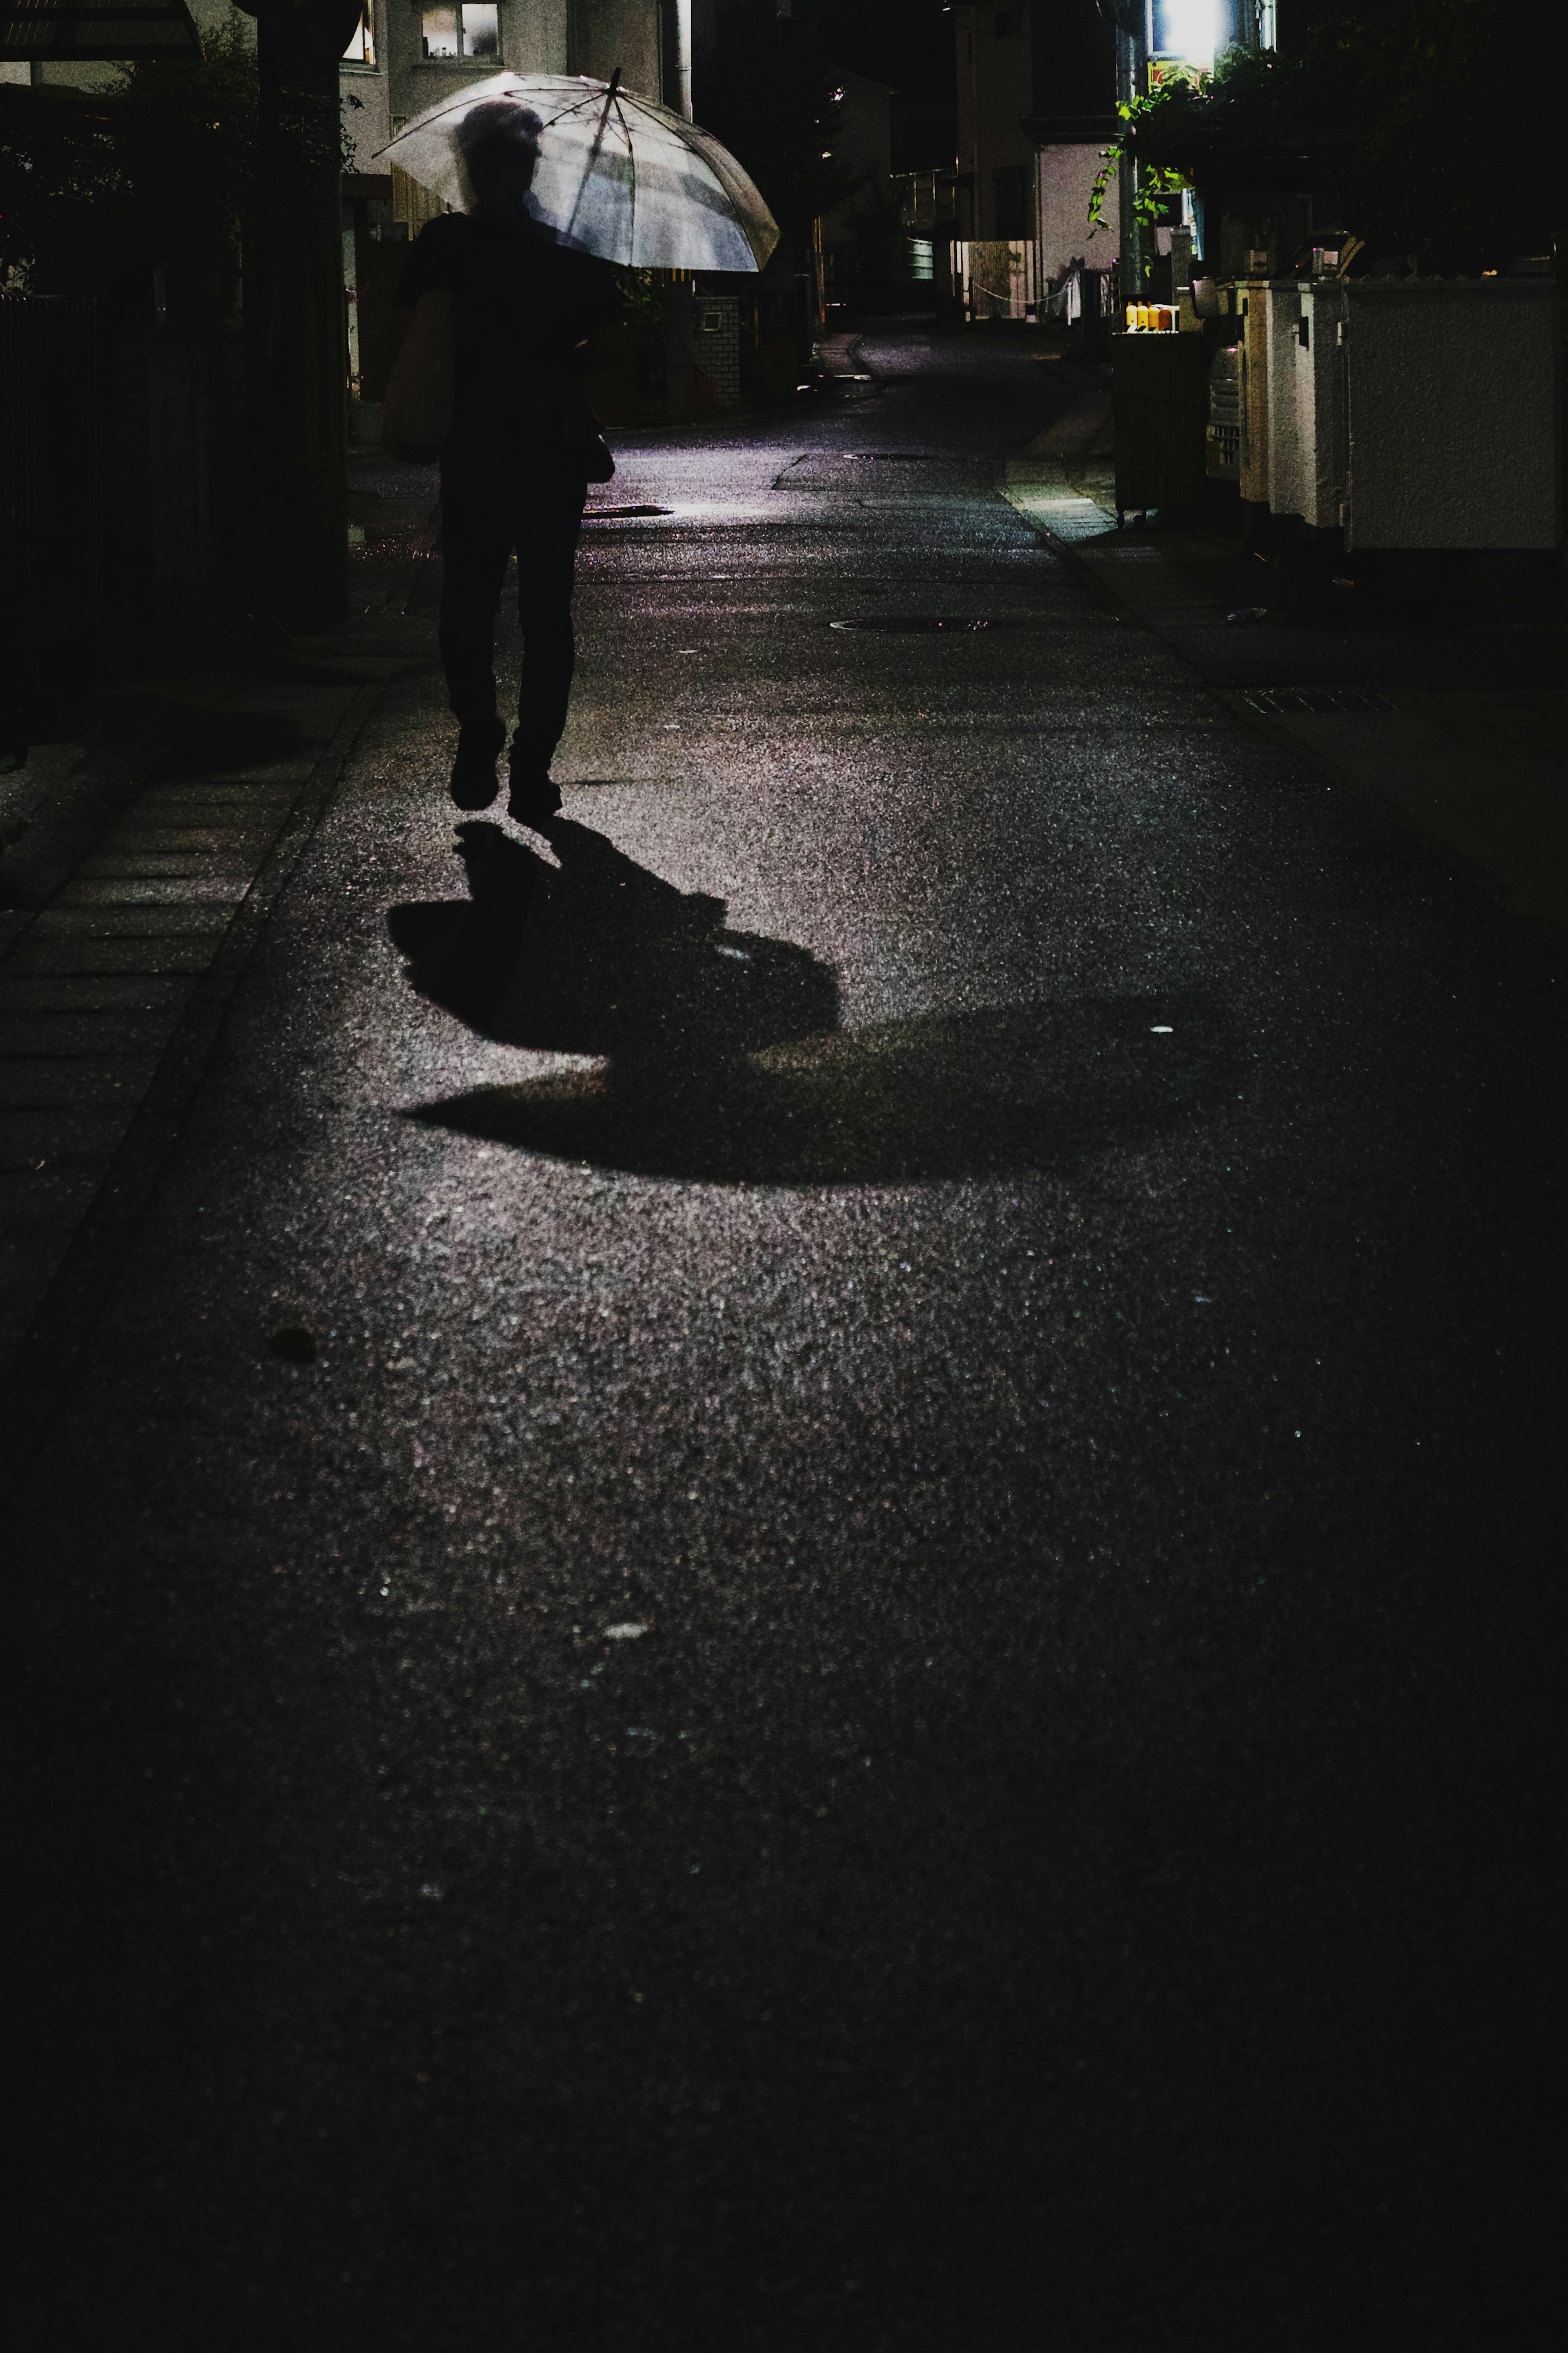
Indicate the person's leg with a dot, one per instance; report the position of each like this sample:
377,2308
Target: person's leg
476,541
549,522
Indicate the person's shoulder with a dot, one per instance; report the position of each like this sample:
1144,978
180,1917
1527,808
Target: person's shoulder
447,242
436,258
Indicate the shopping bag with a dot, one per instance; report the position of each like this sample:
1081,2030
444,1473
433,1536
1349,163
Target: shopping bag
417,415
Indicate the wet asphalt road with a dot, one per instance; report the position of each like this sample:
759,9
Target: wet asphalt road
890,1685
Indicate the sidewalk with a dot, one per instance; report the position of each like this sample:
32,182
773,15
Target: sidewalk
1386,711
140,861
110,998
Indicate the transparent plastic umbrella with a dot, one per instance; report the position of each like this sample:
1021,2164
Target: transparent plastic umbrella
597,167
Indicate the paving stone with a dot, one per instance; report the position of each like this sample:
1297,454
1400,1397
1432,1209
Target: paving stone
87,1033
150,955
91,992
203,840
146,893
302,703
109,865
25,1274
36,1081
68,1137
70,918
32,1246
189,803
37,1196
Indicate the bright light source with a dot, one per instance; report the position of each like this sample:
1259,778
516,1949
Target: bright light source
1186,29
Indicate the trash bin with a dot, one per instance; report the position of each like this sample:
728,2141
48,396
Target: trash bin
1162,408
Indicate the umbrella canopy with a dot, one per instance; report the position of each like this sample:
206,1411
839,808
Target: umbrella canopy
597,167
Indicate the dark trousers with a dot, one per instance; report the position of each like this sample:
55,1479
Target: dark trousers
481,522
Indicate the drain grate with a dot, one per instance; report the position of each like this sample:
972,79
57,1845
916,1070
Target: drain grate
919,625
1266,699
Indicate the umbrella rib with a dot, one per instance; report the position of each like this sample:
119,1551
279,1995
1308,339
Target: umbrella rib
598,143
590,98
632,160
726,189
432,114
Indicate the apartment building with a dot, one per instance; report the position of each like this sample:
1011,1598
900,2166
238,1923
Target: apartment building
406,55
1037,106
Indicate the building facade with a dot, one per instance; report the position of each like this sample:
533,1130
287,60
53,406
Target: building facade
994,48
407,55
1037,95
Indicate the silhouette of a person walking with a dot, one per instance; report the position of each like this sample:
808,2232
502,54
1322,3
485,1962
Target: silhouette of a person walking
521,449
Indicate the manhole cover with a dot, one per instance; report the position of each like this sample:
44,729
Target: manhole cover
614,514
918,624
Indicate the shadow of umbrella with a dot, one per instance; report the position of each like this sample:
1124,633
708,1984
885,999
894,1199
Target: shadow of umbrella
598,955
721,1057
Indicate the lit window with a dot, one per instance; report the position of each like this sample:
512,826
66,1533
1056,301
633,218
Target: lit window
472,29
361,50
1185,29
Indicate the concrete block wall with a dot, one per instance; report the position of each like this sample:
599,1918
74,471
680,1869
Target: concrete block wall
716,351
1415,413
1455,418
1064,184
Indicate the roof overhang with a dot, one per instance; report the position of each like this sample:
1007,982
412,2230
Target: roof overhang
78,32
1070,130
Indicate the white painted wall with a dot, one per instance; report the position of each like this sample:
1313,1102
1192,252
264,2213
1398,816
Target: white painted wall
536,37
610,33
1065,181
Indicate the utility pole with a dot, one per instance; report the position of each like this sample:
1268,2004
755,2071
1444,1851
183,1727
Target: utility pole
1132,76
300,384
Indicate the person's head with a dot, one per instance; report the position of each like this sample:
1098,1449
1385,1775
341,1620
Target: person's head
499,143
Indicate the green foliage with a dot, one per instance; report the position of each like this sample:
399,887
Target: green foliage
1156,186
58,172
188,141
1417,125
1211,132
97,188
642,292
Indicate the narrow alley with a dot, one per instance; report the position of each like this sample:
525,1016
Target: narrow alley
801,1572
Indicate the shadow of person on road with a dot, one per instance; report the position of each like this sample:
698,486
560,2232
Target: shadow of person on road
598,955
721,1058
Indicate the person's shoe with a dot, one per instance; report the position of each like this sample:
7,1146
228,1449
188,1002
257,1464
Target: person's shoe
534,799
474,780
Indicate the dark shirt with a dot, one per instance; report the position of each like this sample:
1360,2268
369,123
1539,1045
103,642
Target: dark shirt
522,308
